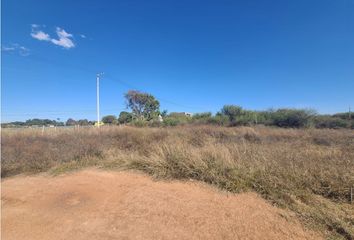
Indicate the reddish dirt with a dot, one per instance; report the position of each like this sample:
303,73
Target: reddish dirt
94,204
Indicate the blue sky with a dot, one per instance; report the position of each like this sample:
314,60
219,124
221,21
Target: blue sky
193,56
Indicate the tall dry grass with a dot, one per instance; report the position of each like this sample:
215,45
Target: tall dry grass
308,171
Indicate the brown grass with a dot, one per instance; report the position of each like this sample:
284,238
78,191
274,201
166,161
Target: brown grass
307,171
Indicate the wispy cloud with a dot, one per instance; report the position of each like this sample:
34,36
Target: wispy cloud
16,48
41,36
82,35
64,39
7,49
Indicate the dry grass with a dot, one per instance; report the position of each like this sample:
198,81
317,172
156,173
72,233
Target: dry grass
307,171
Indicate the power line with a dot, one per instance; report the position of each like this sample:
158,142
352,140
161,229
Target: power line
158,98
113,79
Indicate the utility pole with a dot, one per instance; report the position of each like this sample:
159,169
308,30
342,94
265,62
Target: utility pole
98,97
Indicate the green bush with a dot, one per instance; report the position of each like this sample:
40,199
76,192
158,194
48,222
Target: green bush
232,112
140,123
170,121
203,115
125,117
110,119
202,118
295,118
219,119
329,122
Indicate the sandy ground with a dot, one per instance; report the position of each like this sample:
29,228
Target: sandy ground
94,204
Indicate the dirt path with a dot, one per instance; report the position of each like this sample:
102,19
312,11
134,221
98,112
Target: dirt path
95,204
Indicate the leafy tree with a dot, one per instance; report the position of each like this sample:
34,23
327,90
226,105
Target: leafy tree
163,113
291,117
71,122
125,117
143,105
83,122
233,112
109,119
37,121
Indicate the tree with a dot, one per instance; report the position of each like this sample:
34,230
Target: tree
232,112
70,122
37,121
163,113
291,117
109,119
83,122
143,105
125,117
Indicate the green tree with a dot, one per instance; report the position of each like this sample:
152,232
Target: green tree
83,122
163,113
292,117
232,112
70,122
109,119
143,105
125,117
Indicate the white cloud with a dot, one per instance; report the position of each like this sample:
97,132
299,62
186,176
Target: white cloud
16,48
82,35
7,49
23,51
63,42
64,38
40,35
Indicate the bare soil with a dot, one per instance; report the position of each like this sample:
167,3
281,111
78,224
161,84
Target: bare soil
95,204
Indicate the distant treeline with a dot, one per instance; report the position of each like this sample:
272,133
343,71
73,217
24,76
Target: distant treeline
47,122
229,115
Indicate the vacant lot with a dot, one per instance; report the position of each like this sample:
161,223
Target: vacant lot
309,172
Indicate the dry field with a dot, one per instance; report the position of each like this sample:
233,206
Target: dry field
306,171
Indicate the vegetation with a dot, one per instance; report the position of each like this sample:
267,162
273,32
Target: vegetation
110,119
125,117
70,122
291,118
308,171
33,122
145,112
143,105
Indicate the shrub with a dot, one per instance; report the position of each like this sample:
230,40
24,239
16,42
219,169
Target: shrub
110,119
125,117
139,123
169,121
329,122
219,119
201,117
291,118
232,112
70,122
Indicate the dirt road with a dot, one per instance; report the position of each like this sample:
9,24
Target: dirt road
94,204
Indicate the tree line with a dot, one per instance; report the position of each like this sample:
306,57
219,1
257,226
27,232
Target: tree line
145,111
